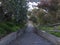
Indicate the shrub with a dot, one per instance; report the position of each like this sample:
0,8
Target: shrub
55,33
9,27
10,24
2,32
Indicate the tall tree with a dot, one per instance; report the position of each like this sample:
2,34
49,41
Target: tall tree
18,8
51,7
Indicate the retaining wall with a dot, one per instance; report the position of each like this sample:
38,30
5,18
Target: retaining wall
7,39
48,36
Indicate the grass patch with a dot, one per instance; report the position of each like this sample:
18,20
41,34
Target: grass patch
57,34
49,28
7,27
2,32
58,27
46,28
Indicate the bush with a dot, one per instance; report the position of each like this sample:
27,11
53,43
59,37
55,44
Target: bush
15,28
5,27
9,27
2,32
34,19
10,24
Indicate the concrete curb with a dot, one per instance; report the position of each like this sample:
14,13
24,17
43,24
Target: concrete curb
6,40
48,36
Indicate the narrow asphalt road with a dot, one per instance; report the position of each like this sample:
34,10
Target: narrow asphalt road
30,38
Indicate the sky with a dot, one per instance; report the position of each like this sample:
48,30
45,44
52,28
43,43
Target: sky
32,5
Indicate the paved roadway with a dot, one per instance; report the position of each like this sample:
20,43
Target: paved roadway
30,38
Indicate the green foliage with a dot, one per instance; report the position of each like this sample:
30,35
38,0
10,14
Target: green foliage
11,24
46,28
5,27
39,15
34,19
55,33
17,7
29,13
52,8
16,16
9,27
58,27
2,32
